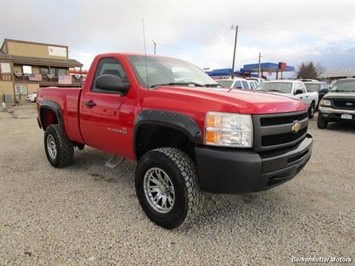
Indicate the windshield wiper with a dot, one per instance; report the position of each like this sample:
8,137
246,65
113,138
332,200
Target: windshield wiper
190,83
212,85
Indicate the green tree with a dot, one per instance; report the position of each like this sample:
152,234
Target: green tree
309,71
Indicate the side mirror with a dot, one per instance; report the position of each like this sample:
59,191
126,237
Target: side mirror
111,83
298,92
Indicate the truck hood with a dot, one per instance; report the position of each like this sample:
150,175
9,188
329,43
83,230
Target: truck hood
231,100
340,95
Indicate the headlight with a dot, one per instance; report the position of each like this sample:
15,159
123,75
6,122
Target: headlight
226,129
325,102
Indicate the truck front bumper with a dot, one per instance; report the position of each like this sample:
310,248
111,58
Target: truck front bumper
233,171
331,114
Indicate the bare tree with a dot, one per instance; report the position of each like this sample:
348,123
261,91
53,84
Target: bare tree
320,69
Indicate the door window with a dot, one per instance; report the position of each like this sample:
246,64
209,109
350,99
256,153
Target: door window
300,86
109,66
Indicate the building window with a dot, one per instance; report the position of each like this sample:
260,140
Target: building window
61,71
44,70
27,69
5,68
52,71
20,89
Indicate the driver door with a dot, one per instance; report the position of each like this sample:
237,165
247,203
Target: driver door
302,96
105,116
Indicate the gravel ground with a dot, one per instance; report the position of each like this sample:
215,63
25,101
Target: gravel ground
88,214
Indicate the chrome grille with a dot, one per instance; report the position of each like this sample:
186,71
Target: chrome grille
344,104
277,120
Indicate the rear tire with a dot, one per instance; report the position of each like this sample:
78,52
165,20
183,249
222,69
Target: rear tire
167,187
59,149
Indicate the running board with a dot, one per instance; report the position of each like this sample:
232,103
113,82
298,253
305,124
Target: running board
114,161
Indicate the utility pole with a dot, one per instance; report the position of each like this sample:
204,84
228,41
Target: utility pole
235,48
155,47
259,68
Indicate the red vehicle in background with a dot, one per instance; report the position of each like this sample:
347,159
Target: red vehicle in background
78,74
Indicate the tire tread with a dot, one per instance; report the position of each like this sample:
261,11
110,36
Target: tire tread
188,170
65,147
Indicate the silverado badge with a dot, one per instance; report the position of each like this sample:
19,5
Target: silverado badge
296,126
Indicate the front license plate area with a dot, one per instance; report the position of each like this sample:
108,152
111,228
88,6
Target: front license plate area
346,116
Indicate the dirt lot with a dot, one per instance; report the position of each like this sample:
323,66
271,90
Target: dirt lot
88,214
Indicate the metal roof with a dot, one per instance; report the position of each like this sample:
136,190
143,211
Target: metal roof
266,67
339,73
40,61
225,72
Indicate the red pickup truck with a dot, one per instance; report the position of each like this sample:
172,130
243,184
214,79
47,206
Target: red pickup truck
186,132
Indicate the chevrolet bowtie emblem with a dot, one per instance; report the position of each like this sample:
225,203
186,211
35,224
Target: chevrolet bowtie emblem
296,126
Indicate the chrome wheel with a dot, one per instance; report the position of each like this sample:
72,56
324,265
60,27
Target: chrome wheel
159,190
51,147
167,187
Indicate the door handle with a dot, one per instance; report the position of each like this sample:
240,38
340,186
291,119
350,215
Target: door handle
90,103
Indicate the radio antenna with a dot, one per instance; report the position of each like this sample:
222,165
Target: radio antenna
145,54
145,49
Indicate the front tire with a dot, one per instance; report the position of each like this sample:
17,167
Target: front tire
167,187
59,149
321,123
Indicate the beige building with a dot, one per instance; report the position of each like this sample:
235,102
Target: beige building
26,66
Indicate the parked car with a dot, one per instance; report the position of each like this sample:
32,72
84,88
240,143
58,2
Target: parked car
338,105
31,97
309,80
253,84
258,80
320,87
294,89
236,83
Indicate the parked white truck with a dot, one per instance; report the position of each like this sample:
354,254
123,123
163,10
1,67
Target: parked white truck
294,89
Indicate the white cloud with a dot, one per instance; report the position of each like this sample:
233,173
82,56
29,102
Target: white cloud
199,31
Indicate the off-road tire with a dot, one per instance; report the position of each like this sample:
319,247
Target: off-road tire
180,172
59,149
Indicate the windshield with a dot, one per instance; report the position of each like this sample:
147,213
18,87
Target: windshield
281,87
311,87
344,86
154,71
225,83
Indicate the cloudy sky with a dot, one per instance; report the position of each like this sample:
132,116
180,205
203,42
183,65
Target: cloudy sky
295,32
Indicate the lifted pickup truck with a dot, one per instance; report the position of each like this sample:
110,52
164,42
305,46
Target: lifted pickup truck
186,132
